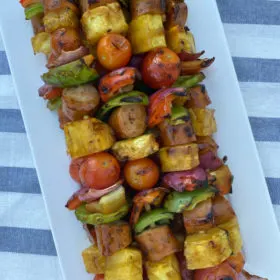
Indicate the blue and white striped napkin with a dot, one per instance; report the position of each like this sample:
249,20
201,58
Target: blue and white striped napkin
27,250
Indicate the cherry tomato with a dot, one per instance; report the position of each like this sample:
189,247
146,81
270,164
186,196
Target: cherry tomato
161,68
99,171
99,277
220,272
141,174
113,51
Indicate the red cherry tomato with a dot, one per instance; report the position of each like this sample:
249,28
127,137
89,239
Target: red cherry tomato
99,171
161,68
113,51
220,272
141,174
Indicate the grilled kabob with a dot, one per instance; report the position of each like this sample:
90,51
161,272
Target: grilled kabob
152,185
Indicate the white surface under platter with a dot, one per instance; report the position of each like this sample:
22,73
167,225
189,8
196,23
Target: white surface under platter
250,197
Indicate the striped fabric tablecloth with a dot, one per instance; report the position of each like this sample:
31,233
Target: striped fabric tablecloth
27,250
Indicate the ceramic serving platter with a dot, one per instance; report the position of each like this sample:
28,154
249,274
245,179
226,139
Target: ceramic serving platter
250,196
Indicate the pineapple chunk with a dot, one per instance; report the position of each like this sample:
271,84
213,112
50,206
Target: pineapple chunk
87,136
178,40
166,269
179,158
203,121
104,19
124,264
146,32
234,236
207,249
135,148
93,260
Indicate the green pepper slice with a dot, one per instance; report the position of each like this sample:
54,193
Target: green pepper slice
128,98
33,10
54,104
151,217
75,73
177,202
98,218
179,115
189,81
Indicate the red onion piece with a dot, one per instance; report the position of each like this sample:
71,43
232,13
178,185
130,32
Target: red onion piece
43,90
210,161
186,180
185,56
68,56
136,61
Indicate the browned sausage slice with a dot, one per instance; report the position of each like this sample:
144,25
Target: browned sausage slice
128,121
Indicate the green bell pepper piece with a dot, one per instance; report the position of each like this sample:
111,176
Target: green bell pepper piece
33,10
71,74
127,98
179,115
151,217
54,104
177,202
98,218
189,81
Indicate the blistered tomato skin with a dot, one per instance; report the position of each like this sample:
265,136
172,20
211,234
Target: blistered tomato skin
161,68
99,171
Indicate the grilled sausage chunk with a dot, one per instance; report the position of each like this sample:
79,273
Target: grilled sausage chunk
128,121
112,237
158,243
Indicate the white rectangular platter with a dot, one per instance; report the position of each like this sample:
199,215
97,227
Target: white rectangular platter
250,196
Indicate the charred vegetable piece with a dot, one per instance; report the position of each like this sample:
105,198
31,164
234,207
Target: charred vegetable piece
234,236
209,160
222,210
71,74
151,217
135,148
177,202
98,218
206,143
157,243
80,101
222,271
179,115
41,43
113,237
203,121
124,264
207,249
149,29
116,82
186,180
129,121
133,97
176,14
221,179
200,218
93,260
108,203
198,97
194,67
179,158
160,105
33,10
54,5
140,7
101,20
54,104
146,198
37,23
87,136
166,269
64,17
178,40
186,56
189,81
